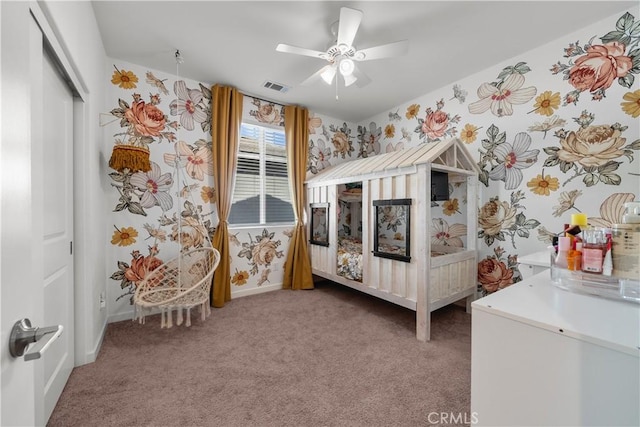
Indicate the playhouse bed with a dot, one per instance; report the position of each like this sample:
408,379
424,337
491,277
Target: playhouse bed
402,266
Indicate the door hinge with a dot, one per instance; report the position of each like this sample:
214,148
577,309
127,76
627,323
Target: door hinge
71,248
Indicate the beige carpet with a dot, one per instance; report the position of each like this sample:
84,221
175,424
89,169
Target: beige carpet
327,357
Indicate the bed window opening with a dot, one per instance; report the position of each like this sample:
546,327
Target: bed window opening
261,194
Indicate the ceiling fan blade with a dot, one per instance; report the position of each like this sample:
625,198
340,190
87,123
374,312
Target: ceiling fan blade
348,25
326,72
300,51
362,78
383,51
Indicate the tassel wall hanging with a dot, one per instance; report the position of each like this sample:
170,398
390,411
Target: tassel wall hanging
130,157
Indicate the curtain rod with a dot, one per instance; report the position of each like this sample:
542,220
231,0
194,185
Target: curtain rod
261,99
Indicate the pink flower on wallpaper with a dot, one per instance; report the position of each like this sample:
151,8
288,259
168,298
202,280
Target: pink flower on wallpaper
435,124
494,275
198,162
188,105
146,119
141,266
600,67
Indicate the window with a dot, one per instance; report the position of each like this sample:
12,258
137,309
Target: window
261,194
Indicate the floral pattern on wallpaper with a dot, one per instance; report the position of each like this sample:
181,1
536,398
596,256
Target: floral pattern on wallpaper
631,103
498,220
143,122
448,235
192,106
162,219
341,140
124,79
500,96
131,274
267,112
591,151
392,217
436,125
501,160
369,139
319,156
261,251
331,143
593,68
612,209
540,147
495,272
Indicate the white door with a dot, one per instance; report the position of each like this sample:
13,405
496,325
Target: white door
36,278
55,179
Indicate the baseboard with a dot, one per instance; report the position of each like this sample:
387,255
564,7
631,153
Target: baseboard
254,291
128,315
84,358
118,317
93,354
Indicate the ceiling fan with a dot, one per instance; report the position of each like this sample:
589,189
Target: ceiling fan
342,54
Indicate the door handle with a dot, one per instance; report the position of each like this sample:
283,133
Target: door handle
22,335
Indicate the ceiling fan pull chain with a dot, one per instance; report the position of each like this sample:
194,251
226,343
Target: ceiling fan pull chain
337,87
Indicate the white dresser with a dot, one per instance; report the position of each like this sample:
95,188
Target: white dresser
544,356
534,263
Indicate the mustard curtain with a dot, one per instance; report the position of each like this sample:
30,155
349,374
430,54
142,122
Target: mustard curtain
297,269
225,133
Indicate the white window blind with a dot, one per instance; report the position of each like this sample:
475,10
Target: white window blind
261,195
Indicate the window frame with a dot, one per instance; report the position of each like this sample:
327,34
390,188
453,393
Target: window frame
264,159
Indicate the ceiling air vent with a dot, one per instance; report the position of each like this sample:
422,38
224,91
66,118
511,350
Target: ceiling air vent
276,86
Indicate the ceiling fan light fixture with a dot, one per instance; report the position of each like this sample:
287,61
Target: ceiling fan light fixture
328,75
342,53
349,79
346,66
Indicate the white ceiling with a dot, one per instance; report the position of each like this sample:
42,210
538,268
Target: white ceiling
233,42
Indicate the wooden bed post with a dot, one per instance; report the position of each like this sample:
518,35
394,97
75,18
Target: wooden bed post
421,230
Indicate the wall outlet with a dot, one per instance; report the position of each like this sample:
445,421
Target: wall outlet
103,301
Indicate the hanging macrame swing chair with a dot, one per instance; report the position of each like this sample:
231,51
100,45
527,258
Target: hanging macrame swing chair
183,282
179,284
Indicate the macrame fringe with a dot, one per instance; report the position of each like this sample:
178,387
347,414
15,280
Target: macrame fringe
129,157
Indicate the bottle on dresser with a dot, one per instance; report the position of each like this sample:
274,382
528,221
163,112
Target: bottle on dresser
626,243
594,245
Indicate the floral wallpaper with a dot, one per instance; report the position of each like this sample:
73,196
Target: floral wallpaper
554,131
171,208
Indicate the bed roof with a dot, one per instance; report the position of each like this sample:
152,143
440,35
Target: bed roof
447,155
